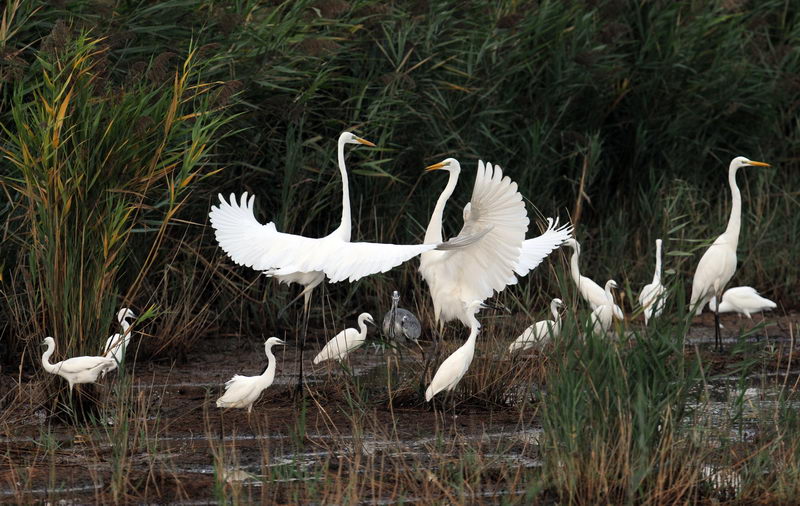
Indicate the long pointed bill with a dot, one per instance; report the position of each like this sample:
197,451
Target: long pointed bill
435,166
759,164
365,142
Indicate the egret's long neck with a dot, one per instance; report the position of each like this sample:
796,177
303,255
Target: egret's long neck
362,329
657,273
735,220
474,328
46,359
433,234
345,227
609,295
125,326
554,310
575,269
269,372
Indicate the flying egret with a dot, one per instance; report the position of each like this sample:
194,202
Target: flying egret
243,391
744,300
345,341
541,332
455,366
400,324
77,369
589,290
653,296
718,263
495,222
118,343
603,315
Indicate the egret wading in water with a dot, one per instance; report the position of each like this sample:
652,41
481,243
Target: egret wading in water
400,324
541,332
345,341
718,263
76,370
653,296
117,344
744,300
589,290
243,391
456,365
603,315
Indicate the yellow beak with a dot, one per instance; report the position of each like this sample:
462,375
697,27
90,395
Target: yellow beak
365,142
759,164
434,166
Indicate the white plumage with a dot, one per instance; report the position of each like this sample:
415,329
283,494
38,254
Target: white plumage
744,300
536,249
117,344
495,227
589,290
653,296
243,391
456,365
78,369
603,315
345,341
541,332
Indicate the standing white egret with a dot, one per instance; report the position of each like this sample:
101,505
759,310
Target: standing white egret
496,216
455,366
77,369
243,391
653,296
541,332
118,343
718,263
603,315
345,341
589,290
744,300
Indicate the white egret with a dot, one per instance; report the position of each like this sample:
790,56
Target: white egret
345,341
243,391
541,332
455,366
495,216
589,290
744,300
603,315
653,296
77,369
118,343
718,263
401,324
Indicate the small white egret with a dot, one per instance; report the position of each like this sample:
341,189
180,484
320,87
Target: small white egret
455,366
589,290
77,369
744,300
495,223
117,344
243,391
603,315
401,324
653,296
541,332
718,263
345,341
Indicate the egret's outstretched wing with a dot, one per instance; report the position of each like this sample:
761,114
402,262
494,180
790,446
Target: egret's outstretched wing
536,249
497,211
262,247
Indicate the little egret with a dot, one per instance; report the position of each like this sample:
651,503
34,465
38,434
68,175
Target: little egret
345,341
653,296
718,263
541,332
243,391
744,300
118,343
589,290
496,216
603,315
455,366
78,369
400,324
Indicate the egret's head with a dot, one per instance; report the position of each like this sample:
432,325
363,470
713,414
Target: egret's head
124,314
741,161
658,243
448,164
366,318
611,284
572,243
350,138
48,341
557,302
272,341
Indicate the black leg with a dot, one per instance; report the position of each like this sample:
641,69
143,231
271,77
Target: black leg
299,392
717,334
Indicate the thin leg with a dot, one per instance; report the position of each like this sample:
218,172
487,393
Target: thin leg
717,334
306,301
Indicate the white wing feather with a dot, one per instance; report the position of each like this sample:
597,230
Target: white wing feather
536,249
78,365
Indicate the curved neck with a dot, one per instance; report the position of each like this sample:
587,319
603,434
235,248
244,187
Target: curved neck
362,328
51,347
735,220
433,233
269,372
657,273
554,310
345,226
609,295
125,326
575,269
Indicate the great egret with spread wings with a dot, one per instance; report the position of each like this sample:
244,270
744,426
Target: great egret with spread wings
76,370
718,263
496,213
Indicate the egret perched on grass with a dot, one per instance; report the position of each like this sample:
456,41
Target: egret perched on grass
345,341
400,324
243,391
541,332
744,300
495,223
78,369
653,296
118,343
603,315
718,263
589,290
